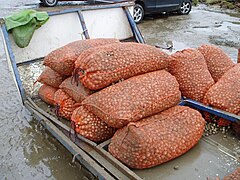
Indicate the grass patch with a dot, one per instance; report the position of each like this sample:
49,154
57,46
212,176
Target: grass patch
228,4
195,2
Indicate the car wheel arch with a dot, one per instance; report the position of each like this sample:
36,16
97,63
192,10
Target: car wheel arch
141,3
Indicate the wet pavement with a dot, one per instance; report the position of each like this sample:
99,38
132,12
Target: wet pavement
202,26
27,151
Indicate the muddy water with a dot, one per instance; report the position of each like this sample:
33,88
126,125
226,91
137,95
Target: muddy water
27,151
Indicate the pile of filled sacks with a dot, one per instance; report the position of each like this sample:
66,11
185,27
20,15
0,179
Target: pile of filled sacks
130,92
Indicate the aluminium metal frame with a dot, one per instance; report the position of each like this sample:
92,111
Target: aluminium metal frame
85,159
136,33
135,30
103,169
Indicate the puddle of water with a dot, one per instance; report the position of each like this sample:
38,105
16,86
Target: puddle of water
177,46
218,29
223,26
204,30
227,25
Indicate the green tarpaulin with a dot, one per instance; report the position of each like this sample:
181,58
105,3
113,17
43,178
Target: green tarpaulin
23,24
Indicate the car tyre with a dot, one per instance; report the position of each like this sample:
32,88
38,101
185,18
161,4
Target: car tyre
49,3
185,7
138,13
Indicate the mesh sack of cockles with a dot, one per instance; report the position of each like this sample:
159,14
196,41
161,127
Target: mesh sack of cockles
235,175
217,61
213,118
191,72
62,59
111,63
158,138
90,126
85,54
236,128
225,94
77,91
50,77
134,98
46,93
65,105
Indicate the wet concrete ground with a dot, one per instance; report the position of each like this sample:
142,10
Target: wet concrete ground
202,26
29,152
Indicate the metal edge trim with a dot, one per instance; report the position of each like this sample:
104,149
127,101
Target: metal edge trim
95,7
13,63
217,112
83,158
84,27
134,27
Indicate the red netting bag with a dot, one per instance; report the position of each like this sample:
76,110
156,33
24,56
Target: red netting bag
217,61
158,138
46,93
111,63
50,77
191,72
223,122
62,59
90,126
134,98
234,175
225,94
236,128
85,54
77,91
220,121
65,104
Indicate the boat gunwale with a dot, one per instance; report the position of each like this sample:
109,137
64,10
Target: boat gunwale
8,47
98,148
77,152
96,151
93,166
86,7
